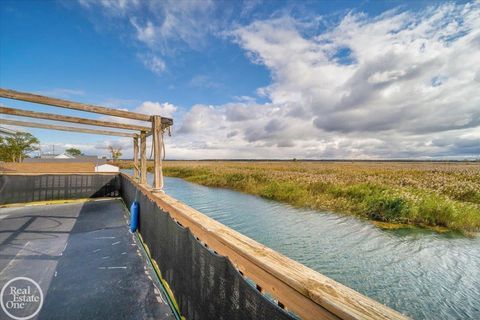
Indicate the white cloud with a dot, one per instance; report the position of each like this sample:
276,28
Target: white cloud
163,27
188,21
145,33
153,63
112,7
155,108
204,81
165,109
401,84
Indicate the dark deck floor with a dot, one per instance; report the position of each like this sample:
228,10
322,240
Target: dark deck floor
85,260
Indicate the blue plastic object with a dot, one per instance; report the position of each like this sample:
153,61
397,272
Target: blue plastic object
134,212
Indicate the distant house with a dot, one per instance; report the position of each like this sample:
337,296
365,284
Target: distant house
64,156
106,168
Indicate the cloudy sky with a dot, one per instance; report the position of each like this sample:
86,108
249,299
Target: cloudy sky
257,79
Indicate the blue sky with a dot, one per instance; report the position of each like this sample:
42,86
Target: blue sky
257,79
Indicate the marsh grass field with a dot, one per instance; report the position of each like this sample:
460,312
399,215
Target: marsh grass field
439,195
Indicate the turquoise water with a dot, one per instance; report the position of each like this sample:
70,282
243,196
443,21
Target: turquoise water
417,272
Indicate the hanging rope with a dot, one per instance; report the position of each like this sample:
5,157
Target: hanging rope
163,143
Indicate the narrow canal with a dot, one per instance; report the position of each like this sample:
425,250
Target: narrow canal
420,273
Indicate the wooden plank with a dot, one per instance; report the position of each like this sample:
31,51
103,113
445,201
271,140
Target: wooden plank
35,98
59,167
157,153
300,289
65,128
135,158
143,157
56,117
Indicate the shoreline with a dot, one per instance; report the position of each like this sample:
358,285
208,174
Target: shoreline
366,190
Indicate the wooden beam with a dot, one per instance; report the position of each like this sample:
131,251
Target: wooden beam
65,128
35,98
143,157
300,289
71,173
135,158
56,117
157,140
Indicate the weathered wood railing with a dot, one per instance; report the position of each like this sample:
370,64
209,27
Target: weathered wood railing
157,126
298,288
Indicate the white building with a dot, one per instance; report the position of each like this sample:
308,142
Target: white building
64,156
106,168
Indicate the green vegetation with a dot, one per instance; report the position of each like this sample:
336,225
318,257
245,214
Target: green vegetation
74,152
16,147
116,152
439,195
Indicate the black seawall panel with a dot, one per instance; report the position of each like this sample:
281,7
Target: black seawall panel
46,187
205,284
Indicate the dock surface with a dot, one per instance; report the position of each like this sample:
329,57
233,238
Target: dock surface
85,260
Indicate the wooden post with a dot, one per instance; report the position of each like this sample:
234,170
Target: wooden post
143,157
157,140
135,158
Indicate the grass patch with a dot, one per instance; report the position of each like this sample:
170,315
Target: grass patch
435,195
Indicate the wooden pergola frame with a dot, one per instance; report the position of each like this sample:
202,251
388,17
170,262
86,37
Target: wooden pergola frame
156,128
295,287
